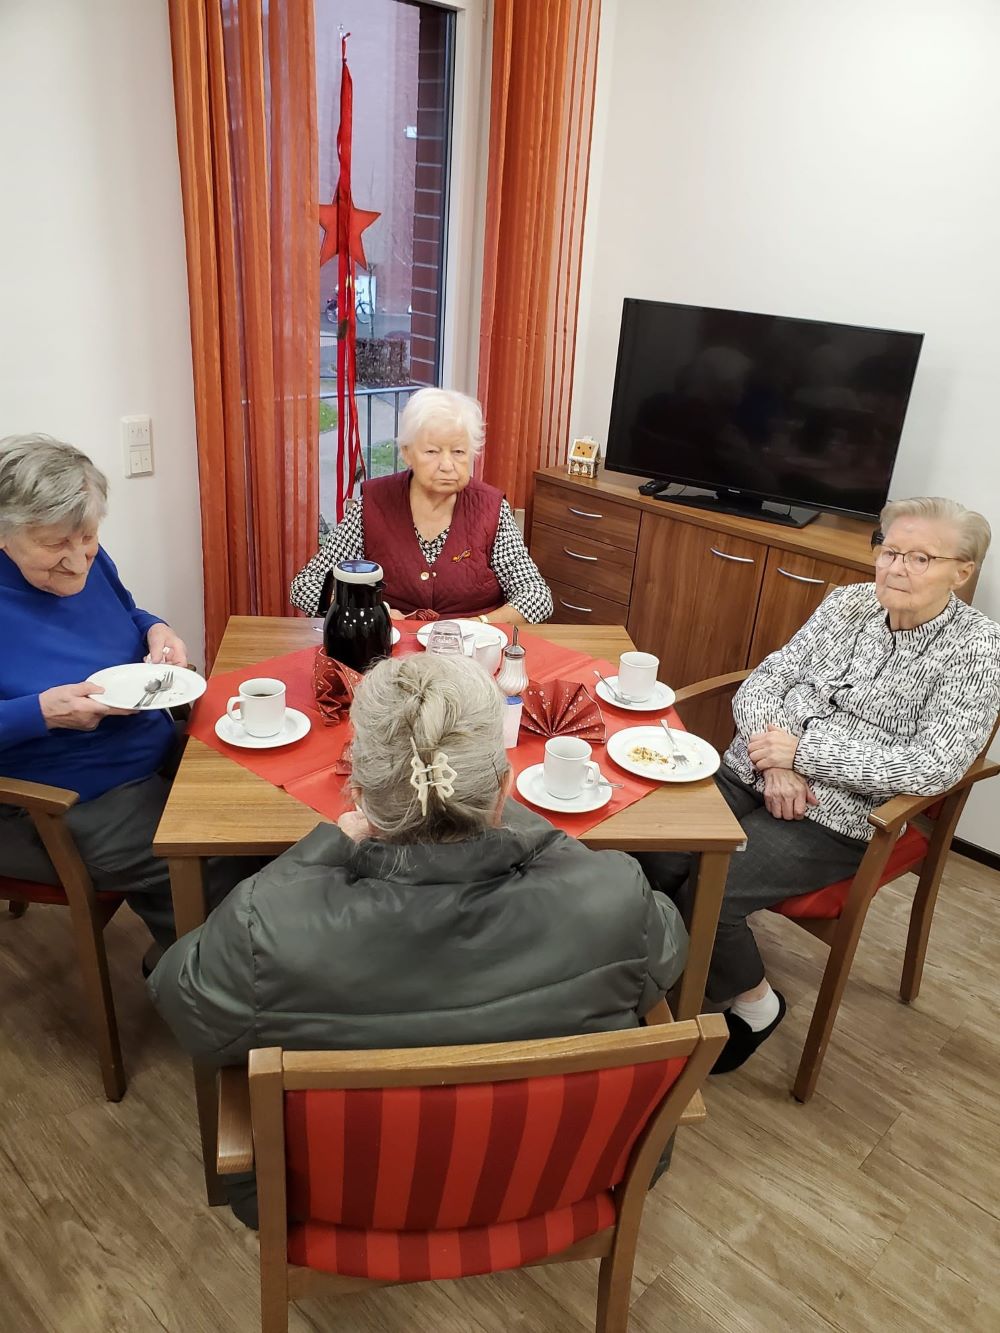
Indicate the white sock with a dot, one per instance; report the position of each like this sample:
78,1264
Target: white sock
757,1014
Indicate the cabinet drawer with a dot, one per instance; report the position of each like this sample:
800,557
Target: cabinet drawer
565,557
586,515
794,585
575,606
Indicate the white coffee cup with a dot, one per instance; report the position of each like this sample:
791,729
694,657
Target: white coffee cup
259,707
637,675
568,768
486,649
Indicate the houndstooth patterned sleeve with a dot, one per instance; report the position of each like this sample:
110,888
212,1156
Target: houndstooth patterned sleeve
517,574
345,542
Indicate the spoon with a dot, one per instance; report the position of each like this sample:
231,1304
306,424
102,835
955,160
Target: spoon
622,698
152,687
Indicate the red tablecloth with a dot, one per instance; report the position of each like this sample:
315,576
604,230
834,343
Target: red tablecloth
304,769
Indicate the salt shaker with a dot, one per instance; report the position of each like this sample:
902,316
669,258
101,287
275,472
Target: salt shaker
513,677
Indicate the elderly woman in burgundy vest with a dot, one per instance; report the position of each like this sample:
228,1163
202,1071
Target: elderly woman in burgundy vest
448,543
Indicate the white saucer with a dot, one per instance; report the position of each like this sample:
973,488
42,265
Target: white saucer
295,726
662,697
532,787
466,627
703,760
125,685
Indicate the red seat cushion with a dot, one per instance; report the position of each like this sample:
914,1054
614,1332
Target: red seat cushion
30,891
826,904
420,1256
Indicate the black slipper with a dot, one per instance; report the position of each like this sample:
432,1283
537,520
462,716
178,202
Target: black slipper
743,1041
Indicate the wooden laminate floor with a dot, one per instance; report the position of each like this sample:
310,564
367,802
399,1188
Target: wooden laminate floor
875,1207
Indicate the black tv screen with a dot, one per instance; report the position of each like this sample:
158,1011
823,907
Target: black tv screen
790,410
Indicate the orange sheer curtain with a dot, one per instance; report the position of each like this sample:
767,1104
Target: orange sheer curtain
541,113
244,90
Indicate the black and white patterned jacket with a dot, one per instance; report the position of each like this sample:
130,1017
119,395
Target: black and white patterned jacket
877,712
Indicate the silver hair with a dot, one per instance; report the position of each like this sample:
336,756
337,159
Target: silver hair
45,483
432,411
971,529
438,703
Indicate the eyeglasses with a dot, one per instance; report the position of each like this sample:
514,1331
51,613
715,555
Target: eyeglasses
918,561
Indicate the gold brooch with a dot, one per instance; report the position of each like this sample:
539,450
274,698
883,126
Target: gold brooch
464,556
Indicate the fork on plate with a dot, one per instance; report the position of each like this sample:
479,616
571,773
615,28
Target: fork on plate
678,756
154,687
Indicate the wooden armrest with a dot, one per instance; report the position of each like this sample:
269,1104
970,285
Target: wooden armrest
694,1113
705,689
37,796
891,815
235,1144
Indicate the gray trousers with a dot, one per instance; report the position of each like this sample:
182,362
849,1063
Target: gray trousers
114,835
783,859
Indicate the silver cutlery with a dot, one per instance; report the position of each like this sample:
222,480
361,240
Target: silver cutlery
603,782
151,687
617,694
679,758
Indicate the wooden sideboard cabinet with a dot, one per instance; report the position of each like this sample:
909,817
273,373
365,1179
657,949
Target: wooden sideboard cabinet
707,593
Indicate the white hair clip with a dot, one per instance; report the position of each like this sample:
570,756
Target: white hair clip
438,774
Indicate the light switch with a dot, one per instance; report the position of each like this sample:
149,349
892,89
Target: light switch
137,439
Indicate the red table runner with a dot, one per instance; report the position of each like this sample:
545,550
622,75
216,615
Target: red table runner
305,768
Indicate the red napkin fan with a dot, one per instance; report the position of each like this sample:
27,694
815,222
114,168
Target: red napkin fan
562,708
334,685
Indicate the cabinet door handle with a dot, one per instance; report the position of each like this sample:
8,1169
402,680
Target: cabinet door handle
571,606
582,513
799,578
740,559
577,556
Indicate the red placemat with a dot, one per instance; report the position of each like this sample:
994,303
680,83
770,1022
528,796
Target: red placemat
305,769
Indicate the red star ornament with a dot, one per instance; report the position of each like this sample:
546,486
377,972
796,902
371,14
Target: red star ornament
360,218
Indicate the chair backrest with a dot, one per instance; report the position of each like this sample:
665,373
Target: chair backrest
431,1139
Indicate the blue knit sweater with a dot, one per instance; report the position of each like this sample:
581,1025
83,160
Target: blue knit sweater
47,640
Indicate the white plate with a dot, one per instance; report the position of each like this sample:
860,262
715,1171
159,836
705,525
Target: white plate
662,697
466,627
125,685
295,726
532,787
703,760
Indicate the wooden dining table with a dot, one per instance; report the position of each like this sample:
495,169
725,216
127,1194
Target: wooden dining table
216,807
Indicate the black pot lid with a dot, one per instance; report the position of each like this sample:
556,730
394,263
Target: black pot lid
357,571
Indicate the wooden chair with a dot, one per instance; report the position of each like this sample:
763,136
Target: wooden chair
90,912
382,1167
836,914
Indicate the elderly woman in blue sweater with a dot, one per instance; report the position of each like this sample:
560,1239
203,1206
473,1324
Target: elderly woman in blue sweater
64,614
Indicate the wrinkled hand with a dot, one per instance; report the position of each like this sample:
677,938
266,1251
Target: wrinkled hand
165,646
786,794
773,748
76,707
354,824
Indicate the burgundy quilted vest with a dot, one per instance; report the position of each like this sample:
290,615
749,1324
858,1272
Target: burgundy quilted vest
460,582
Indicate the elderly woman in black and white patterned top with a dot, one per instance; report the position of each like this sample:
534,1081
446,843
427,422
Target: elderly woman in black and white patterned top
447,543
890,687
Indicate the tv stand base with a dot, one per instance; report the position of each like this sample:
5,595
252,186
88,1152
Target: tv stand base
789,516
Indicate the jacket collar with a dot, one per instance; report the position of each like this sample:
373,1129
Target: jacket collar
496,854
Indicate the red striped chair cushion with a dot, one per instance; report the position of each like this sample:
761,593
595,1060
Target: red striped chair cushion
420,1256
455,1157
828,903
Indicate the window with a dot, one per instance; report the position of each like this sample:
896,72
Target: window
400,54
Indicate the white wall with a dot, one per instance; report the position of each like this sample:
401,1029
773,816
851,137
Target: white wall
94,309
834,161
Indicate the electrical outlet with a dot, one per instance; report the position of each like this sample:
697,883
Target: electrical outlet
137,440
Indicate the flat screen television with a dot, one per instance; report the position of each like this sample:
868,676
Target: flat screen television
762,414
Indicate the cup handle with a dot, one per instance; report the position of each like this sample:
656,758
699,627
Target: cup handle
593,774
232,706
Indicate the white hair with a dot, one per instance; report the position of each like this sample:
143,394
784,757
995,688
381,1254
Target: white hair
435,703
971,529
45,483
434,411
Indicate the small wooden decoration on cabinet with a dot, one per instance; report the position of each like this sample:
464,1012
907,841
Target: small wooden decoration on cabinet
583,458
